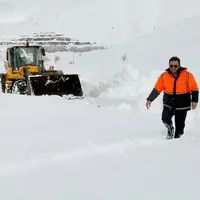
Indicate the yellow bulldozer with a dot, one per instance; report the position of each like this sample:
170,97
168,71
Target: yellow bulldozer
26,74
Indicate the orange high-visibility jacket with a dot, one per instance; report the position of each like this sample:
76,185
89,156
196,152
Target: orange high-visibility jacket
177,91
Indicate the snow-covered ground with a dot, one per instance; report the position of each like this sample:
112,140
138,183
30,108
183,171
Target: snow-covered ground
107,146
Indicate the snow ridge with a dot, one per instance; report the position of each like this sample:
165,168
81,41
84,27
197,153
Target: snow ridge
126,89
54,42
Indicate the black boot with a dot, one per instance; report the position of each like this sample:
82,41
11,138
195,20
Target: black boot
170,131
178,135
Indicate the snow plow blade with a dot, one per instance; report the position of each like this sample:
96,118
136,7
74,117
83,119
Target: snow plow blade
56,85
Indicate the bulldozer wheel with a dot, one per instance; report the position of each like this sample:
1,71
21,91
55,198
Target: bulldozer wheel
3,82
19,87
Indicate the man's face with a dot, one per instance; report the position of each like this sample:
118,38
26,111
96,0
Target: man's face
174,66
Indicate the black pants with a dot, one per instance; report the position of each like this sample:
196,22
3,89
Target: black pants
180,117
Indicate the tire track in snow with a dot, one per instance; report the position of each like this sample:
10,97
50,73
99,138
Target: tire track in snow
88,151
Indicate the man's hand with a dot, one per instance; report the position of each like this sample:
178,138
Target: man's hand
194,105
148,104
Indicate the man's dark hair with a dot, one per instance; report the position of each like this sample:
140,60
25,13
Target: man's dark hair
174,58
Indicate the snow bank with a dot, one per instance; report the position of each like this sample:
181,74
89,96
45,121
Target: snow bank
127,83
127,86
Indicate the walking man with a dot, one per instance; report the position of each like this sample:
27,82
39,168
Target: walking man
181,93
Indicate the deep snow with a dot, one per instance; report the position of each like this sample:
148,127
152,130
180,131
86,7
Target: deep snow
108,145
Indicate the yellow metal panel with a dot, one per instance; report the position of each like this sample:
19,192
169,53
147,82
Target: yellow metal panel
11,74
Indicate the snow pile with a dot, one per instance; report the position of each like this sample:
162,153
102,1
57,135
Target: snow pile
127,86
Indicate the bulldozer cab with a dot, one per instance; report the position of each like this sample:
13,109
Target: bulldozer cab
18,56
